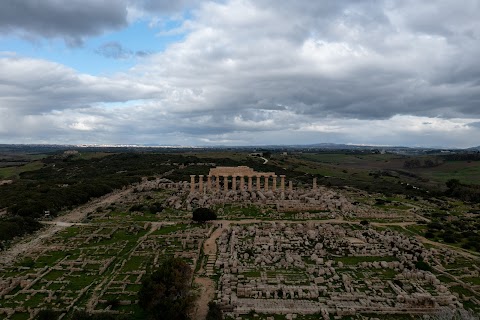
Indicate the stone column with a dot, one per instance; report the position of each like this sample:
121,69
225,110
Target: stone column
242,183
290,186
192,183
282,182
217,182
314,187
274,183
250,183
266,183
209,183
225,183
234,183
258,183
200,183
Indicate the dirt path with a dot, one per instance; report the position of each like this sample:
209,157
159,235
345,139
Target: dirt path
207,285
205,295
399,224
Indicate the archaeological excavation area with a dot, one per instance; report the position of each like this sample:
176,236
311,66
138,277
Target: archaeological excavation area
276,251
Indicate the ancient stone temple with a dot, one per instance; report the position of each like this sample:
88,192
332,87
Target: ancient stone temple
242,178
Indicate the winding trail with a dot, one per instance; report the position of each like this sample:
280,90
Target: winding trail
206,284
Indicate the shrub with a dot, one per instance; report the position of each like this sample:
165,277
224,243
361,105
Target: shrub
203,214
214,312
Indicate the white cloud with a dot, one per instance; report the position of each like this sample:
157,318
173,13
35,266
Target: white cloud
267,71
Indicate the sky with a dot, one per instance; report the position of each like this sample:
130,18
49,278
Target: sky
240,72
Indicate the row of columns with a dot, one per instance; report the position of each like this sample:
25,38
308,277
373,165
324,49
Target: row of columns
234,182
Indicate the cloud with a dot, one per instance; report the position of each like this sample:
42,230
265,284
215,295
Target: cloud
72,21
264,71
474,124
115,50
341,59
75,20
30,86
164,6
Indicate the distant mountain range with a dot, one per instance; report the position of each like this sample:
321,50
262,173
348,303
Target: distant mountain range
320,146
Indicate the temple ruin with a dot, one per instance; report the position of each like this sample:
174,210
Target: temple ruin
216,175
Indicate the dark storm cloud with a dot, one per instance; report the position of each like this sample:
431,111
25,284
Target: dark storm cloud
162,6
71,20
74,20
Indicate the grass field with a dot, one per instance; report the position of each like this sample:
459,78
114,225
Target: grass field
335,164
465,171
13,172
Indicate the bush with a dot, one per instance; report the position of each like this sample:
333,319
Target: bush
422,265
156,207
214,312
83,315
448,237
429,235
47,314
137,207
203,214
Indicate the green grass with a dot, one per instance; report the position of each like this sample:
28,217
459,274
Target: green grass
466,172
461,290
20,316
53,275
473,280
356,260
69,232
132,264
252,274
166,229
13,172
445,279
35,300
79,282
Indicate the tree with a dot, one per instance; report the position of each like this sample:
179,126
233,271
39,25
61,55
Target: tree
214,312
47,314
83,315
203,214
422,265
166,293
452,183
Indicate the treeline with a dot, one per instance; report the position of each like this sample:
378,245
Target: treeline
421,163
15,226
465,192
462,231
257,165
64,183
462,157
